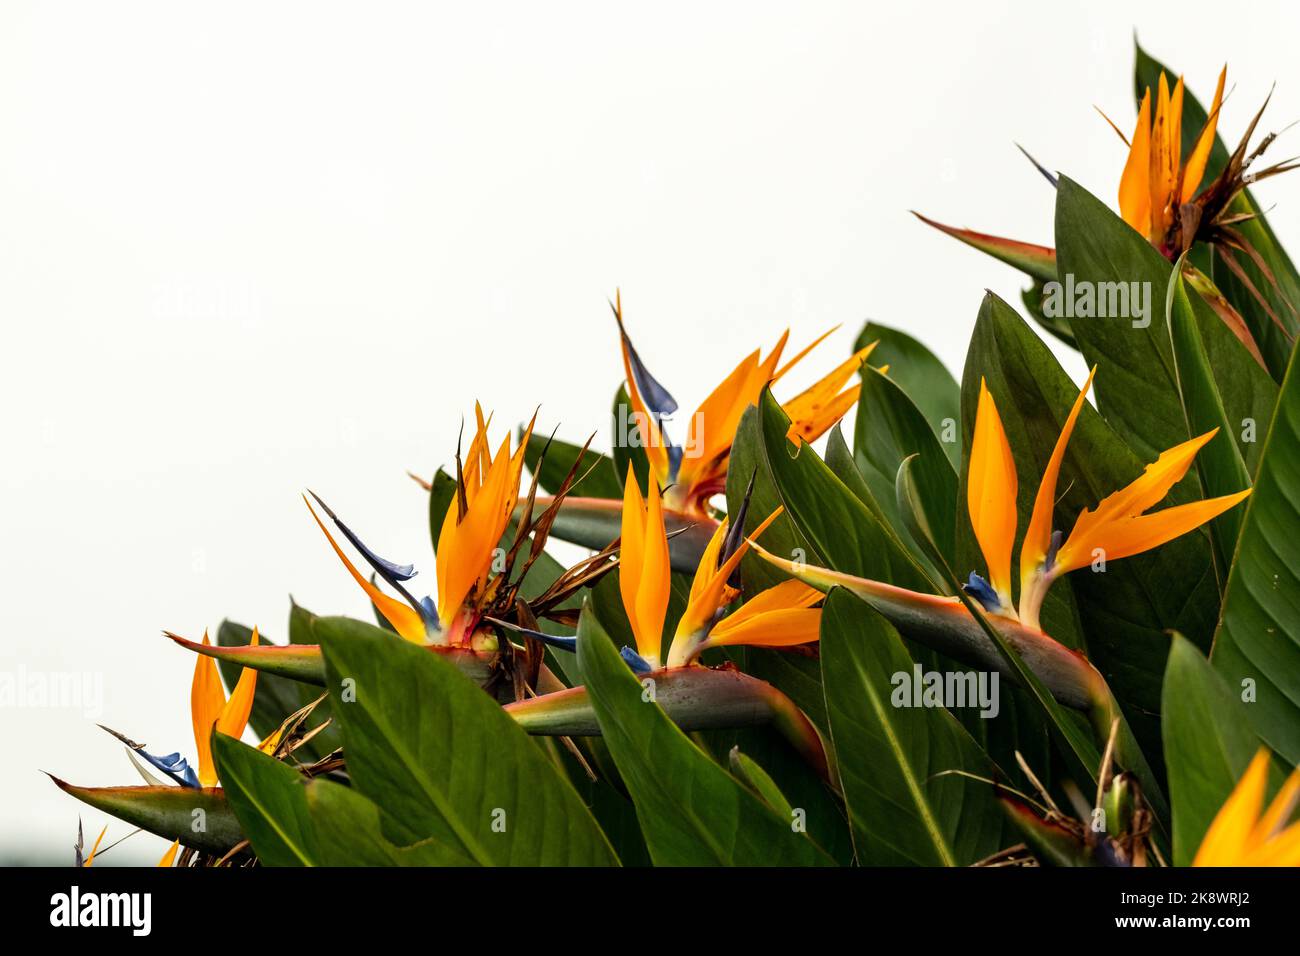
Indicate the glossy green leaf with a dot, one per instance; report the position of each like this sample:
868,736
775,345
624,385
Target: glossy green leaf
269,797
349,832
201,819
1101,256
626,441
1221,468
925,379
747,771
1258,639
1208,743
444,761
889,429
441,495
905,804
841,528
749,460
692,812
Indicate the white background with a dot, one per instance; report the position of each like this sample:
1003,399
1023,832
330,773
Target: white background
250,247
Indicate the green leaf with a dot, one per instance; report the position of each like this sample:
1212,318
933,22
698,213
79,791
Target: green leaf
1055,325
748,772
270,800
692,812
1220,466
889,429
840,527
349,832
626,442
1259,633
441,495
1246,389
1136,386
1208,743
444,761
925,379
895,762
170,812
748,459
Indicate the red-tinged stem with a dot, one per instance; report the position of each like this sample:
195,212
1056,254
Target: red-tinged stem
694,698
304,663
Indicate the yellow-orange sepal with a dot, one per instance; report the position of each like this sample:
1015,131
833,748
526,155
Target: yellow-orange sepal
210,709
991,495
1241,835
644,575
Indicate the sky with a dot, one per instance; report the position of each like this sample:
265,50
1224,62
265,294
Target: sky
251,248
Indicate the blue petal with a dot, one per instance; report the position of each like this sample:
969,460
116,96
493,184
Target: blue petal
569,643
388,570
981,591
635,660
1054,546
674,457
174,765
736,533
657,399
430,611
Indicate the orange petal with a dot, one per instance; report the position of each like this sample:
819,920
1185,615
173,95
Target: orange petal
466,548
1092,528
1166,149
169,857
786,627
655,583
1038,535
1176,131
1199,157
206,703
991,493
405,619
234,715
1135,183
1281,850
1129,536
1229,837
816,409
709,589
712,429
631,545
